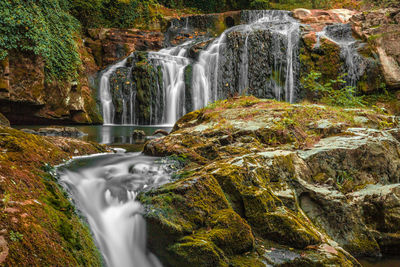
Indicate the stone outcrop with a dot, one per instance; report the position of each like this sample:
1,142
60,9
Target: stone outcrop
27,97
56,131
110,45
265,181
381,29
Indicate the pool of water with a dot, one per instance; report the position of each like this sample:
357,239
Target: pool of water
384,262
108,134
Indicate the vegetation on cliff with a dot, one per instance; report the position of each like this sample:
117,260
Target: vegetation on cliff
44,28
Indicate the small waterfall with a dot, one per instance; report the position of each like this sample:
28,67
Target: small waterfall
173,63
259,58
205,74
213,79
341,34
104,188
105,94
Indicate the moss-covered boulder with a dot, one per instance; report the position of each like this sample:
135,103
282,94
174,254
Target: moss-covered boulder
38,224
267,181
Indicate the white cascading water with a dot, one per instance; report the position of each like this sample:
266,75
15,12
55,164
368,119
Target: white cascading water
105,94
341,34
206,74
206,70
173,63
104,188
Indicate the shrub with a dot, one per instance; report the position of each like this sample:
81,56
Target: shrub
334,92
43,28
259,4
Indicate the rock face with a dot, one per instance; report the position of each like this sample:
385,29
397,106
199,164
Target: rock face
381,29
26,97
110,45
269,182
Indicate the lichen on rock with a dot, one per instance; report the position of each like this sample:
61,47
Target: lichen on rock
294,180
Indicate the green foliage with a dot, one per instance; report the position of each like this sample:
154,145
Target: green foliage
259,4
109,13
44,28
334,92
203,5
16,236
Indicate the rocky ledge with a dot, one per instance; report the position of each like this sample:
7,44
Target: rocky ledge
38,225
267,182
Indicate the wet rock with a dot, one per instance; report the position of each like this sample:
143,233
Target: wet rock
28,98
161,132
59,131
111,45
31,131
138,134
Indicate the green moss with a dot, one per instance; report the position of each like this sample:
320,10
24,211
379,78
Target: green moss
196,250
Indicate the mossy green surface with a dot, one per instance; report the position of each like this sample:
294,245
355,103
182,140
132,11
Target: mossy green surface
247,163
35,208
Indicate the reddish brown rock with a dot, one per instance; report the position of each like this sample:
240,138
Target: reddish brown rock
381,29
110,45
318,19
26,97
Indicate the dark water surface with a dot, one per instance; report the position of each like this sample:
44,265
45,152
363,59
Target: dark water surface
113,135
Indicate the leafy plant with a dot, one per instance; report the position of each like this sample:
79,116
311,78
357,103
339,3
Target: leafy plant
16,236
259,4
335,92
43,28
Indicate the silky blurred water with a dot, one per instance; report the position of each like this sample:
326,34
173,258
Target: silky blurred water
104,188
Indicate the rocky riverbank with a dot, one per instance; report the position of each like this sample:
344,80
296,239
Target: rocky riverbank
38,225
270,182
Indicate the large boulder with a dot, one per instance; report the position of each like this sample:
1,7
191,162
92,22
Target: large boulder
312,191
380,28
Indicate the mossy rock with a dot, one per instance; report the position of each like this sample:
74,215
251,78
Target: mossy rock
4,121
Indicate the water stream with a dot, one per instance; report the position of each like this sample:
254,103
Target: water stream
104,188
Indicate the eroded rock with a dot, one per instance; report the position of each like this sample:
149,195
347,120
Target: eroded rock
311,191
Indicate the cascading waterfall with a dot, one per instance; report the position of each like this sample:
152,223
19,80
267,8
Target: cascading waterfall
104,188
259,57
173,63
341,34
207,82
105,94
208,78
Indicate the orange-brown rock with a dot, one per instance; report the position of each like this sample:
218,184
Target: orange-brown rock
27,97
318,19
110,45
381,29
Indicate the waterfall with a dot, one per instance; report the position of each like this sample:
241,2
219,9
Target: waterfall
341,34
105,94
209,78
104,189
173,63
